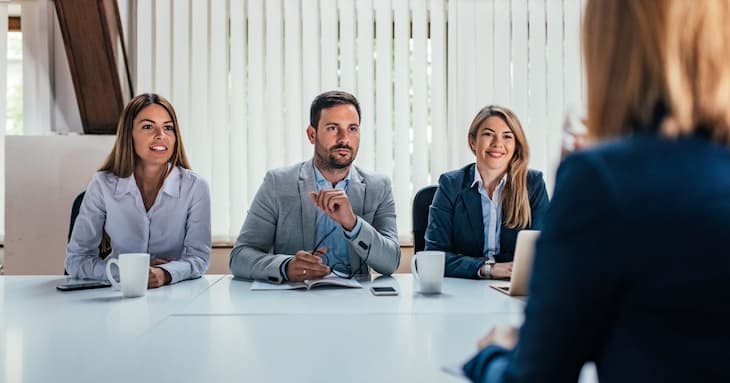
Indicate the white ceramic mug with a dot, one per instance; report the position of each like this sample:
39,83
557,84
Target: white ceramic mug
133,273
428,269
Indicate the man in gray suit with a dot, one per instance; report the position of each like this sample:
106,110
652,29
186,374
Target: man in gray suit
322,215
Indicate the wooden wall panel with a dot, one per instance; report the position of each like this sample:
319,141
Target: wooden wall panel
91,30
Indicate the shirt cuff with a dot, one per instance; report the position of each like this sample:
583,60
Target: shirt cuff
495,370
489,363
355,230
178,270
490,259
100,271
282,269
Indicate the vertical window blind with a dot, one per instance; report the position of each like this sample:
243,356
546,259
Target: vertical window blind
241,75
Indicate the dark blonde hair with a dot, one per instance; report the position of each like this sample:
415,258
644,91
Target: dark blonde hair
122,159
670,54
515,199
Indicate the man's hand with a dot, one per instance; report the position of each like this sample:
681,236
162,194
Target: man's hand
503,336
306,265
158,277
336,205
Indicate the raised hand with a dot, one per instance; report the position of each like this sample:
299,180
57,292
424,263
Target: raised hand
336,205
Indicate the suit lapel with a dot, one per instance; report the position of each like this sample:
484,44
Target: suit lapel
473,205
356,195
356,192
306,185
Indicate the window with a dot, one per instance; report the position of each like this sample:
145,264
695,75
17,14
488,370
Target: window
14,70
14,111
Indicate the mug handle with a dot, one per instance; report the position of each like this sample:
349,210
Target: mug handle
116,285
414,271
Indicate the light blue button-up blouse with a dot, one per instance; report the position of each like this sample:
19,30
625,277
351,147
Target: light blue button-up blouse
176,227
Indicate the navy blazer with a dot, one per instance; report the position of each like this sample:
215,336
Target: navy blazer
455,223
631,269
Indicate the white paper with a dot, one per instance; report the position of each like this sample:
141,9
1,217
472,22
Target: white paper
329,280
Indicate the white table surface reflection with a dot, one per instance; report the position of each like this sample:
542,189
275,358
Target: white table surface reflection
305,348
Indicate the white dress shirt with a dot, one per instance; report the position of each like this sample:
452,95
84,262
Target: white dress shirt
176,227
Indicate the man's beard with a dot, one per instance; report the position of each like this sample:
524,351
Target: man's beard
334,161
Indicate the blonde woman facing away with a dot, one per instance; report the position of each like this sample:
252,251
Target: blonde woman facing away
631,270
146,200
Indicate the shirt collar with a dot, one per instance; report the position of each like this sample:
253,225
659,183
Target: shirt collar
478,180
125,185
171,185
322,183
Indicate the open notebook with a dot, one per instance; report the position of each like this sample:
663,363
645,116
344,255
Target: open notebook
330,280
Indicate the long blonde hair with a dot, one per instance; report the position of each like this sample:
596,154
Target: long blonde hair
515,198
641,55
122,159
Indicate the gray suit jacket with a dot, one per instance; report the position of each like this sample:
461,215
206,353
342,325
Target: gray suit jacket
281,220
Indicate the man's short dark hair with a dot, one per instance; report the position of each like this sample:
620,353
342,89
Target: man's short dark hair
329,99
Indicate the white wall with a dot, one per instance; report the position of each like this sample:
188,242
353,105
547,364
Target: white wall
49,100
43,176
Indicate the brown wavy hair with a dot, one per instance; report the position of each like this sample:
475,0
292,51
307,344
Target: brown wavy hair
643,54
122,159
515,199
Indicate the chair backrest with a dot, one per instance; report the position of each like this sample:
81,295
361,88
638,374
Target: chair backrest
421,204
104,246
75,212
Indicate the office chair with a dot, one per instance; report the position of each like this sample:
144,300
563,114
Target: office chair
75,212
421,204
105,247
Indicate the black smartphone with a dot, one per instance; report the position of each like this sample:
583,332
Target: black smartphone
82,285
384,290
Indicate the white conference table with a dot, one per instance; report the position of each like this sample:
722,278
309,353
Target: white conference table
217,329
50,336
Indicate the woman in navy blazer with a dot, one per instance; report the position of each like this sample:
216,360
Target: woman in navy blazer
632,270
478,209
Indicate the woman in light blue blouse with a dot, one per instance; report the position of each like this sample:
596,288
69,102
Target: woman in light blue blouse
146,200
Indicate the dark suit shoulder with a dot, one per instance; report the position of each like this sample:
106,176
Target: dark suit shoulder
533,175
625,162
656,164
536,189
534,178
457,179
